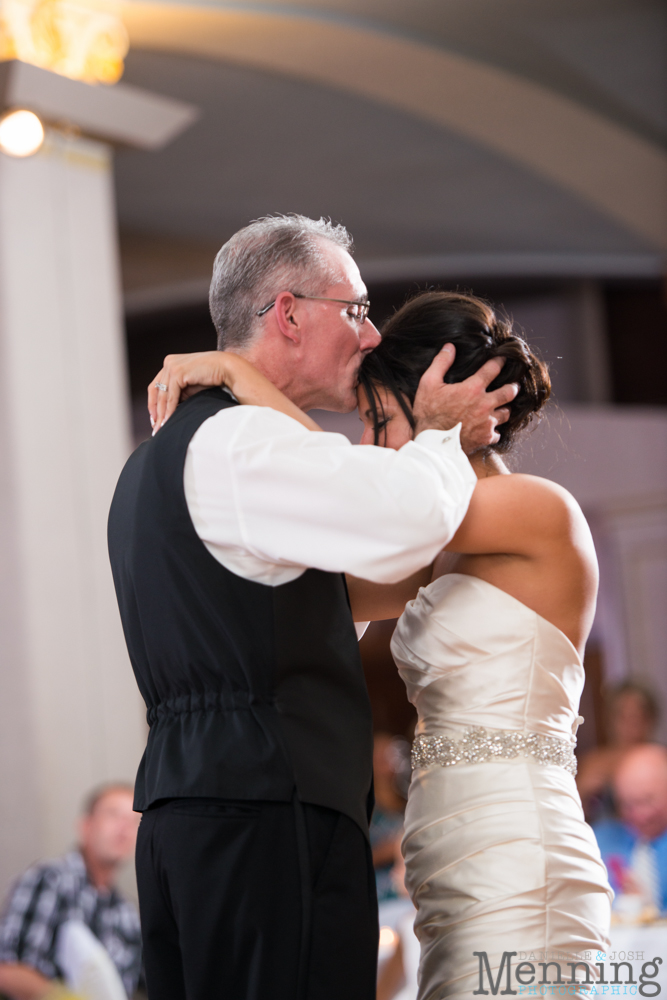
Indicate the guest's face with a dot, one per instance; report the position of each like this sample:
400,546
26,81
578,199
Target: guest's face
642,801
109,834
335,342
394,427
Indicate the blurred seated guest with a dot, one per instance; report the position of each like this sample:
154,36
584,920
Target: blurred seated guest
634,847
386,828
77,889
632,714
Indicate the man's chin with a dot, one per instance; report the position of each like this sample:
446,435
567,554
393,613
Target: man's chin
351,400
346,406
339,404
350,406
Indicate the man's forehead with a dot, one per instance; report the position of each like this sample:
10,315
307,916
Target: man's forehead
350,276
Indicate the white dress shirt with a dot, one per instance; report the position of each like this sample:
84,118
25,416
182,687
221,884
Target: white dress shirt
270,499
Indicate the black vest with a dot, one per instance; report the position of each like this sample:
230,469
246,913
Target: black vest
252,691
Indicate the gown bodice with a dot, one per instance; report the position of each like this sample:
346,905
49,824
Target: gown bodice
472,655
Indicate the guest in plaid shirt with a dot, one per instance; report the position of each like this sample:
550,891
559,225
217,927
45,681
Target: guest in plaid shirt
77,887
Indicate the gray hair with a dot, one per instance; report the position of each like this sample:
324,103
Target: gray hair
275,254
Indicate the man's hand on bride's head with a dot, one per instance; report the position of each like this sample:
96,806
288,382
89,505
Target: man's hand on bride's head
442,405
181,376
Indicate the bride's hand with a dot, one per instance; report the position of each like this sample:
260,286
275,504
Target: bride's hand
186,374
183,375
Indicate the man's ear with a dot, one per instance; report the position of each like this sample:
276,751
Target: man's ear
287,318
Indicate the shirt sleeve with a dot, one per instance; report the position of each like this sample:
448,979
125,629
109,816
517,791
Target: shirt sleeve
261,481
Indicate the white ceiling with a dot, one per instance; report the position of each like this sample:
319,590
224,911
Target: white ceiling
406,188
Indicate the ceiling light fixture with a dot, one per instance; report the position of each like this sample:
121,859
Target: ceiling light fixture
21,133
77,38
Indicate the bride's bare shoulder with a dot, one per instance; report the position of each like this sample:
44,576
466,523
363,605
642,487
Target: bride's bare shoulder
537,499
522,514
521,483
538,485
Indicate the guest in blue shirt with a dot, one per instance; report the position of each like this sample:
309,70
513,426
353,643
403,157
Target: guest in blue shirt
634,847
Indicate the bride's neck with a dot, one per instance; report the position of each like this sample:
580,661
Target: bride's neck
488,463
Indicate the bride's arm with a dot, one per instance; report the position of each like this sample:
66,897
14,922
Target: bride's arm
186,374
372,602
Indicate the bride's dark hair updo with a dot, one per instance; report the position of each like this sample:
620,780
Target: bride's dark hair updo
412,337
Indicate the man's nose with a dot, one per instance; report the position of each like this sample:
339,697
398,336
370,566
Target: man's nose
369,337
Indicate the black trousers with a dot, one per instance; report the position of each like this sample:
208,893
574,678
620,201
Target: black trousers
255,901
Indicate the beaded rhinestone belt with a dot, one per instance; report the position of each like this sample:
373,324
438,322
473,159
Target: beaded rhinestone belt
478,745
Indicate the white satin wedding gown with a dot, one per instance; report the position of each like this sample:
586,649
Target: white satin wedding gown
498,855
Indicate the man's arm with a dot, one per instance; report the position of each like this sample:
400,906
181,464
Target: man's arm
257,482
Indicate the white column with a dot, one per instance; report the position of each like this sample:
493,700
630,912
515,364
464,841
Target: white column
70,713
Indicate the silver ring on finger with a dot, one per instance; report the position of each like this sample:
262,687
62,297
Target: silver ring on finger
161,386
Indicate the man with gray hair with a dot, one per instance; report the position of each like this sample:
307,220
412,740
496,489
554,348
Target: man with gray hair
310,258
229,535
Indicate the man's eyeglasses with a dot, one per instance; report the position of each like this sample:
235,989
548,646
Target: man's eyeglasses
358,310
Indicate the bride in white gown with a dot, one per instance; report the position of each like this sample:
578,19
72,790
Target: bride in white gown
498,856
500,863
